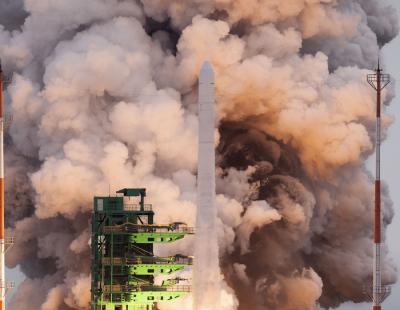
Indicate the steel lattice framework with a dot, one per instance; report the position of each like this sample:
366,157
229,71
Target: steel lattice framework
123,261
378,292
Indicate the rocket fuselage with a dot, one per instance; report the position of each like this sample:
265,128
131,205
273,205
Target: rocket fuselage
206,151
206,270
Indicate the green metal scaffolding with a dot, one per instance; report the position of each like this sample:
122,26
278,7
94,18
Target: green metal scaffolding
123,261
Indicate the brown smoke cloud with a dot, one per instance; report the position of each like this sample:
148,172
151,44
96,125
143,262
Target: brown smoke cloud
104,93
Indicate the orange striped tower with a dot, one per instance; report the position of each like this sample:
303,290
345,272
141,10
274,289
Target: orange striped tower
378,81
2,242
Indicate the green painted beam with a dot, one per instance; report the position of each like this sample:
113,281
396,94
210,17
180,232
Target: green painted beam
156,237
124,306
147,294
151,237
142,269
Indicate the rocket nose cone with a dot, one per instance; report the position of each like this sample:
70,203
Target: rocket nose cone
207,71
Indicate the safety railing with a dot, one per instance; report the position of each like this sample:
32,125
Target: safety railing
137,207
7,286
146,288
180,288
8,243
148,260
134,228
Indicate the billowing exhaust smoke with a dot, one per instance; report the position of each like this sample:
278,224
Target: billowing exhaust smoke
104,95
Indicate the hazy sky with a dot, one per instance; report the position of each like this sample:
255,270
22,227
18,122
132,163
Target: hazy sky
390,173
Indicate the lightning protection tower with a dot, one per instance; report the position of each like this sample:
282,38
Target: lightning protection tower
123,261
5,242
379,293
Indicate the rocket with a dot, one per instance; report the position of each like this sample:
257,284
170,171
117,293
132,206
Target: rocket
206,267
2,241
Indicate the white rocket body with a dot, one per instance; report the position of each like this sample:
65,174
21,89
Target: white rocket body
206,267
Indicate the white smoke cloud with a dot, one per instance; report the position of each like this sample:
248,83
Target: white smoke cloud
104,96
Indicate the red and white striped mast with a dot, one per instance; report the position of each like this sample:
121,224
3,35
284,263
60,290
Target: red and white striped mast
2,239
378,81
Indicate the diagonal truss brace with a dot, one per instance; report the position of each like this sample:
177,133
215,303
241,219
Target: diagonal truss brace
382,293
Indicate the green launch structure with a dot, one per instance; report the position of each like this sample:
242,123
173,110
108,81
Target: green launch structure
123,260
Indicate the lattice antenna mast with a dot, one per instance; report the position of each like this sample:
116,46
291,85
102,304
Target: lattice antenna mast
2,242
378,81
5,242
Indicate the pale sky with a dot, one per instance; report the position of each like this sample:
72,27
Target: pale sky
390,173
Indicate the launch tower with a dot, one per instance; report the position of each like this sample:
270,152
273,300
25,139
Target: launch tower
123,261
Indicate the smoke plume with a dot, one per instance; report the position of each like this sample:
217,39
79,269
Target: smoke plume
103,95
